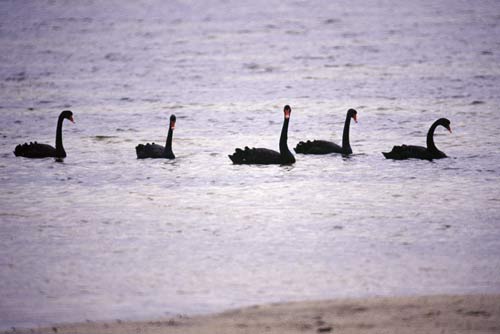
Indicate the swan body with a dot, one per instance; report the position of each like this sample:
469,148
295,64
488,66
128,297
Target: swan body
256,156
36,150
326,147
155,151
265,156
318,147
430,152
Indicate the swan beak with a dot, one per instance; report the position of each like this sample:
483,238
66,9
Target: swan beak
355,118
72,120
449,129
172,125
287,114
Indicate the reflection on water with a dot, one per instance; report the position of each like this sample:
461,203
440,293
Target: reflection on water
104,235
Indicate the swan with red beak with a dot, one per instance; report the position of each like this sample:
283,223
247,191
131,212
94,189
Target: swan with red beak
155,151
265,156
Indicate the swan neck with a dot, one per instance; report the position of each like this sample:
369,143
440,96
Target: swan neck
59,142
430,137
346,146
284,137
168,144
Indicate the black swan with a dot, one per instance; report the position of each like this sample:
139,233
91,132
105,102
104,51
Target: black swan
265,156
419,152
325,147
157,151
36,150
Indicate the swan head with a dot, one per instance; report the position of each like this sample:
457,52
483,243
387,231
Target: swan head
445,122
353,114
287,110
68,115
172,122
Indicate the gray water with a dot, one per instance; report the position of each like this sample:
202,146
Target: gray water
105,236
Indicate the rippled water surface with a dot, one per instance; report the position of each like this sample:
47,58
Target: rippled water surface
106,236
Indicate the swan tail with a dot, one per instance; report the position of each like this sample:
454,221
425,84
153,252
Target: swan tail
20,150
302,147
387,155
239,155
140,151
398,153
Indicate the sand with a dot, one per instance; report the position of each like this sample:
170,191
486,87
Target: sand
432,314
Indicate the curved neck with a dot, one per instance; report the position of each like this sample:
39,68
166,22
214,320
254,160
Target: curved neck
346,146
284,137
285,155
430,137
168,144
59,143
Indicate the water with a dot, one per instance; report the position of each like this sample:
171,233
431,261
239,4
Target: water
104,236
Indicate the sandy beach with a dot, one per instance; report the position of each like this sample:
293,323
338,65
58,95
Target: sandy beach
429,314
